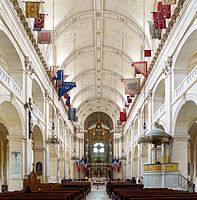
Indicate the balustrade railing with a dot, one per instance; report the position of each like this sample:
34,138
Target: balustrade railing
37,112
10,83
185,84
185,184
159,112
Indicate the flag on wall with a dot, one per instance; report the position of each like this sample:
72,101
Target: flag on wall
59,82
123,116
147,53
44,37
155,33
155,19
68,102
65,87
168,2
39,22
132,86
141,67
32,9
159,21
164,11
59,75
71,113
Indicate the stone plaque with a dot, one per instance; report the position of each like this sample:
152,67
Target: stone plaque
16,164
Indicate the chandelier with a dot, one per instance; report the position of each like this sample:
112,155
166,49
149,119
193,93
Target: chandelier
53,139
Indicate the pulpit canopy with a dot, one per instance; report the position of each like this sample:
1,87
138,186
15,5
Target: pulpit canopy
158,136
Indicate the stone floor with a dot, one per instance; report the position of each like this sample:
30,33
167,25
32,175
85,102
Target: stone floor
97,194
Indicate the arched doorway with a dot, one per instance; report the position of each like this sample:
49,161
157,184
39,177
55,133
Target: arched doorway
184,138
38,152
3,154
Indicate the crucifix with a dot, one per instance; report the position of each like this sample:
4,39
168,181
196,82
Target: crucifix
98,147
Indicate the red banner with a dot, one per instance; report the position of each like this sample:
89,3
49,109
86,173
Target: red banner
147,53
155,18
164,10
39,22
123,116
44,37
141,67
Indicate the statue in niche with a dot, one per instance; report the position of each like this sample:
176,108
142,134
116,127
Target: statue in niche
38,168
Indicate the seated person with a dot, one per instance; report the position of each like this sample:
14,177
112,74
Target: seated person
63,180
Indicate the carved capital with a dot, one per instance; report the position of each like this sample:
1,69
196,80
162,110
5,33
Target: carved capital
168,66
28,65
47,96
149,96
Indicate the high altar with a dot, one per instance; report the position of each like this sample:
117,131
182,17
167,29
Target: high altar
98,148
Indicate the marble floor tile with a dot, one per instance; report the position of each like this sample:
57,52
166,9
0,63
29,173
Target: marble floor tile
97,194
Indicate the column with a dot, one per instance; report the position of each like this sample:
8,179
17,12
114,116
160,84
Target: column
149,154
167,153
139,161
155,154
162,153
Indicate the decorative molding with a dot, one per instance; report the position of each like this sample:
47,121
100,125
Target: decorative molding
168,66
28,65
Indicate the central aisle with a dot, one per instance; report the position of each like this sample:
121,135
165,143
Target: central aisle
97,194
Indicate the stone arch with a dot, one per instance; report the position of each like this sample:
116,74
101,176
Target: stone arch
38,152
187,113
185,59
10,57
159,95
4,154
37,95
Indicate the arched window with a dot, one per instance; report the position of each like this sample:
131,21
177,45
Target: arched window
98,147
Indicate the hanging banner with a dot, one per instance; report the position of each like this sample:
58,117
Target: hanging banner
155,33
32,9
72,114
155,19
39,22
123,116
44,37
65,87
68,102
164,10
59,82
59,75
168,2
141,67
147,53
132,86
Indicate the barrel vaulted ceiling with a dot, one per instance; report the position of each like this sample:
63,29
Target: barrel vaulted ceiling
93,38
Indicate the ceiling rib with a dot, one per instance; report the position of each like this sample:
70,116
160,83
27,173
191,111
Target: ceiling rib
80,92
84,50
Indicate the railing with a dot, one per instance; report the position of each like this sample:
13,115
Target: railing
159,112
187,82
38,113
185,184
10,83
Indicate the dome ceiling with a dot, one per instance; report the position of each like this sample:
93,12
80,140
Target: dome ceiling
93,39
